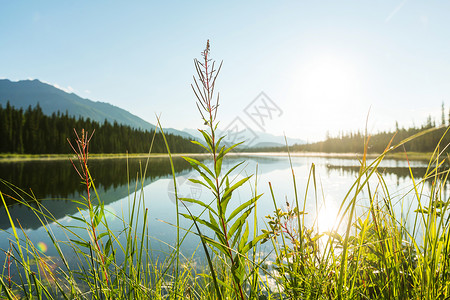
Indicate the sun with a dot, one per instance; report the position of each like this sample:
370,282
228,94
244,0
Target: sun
329,77
326,91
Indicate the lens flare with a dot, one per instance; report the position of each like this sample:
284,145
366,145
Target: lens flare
42,247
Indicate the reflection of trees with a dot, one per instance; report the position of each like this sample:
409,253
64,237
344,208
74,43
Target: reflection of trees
400,172
57,180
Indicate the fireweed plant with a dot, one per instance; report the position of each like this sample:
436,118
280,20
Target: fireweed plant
230,227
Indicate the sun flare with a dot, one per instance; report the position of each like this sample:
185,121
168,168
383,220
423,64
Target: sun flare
327,217
322,90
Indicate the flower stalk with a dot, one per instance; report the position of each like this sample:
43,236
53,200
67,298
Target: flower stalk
82,154
231,229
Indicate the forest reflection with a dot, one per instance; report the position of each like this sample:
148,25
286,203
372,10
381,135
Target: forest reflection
399,172
55,184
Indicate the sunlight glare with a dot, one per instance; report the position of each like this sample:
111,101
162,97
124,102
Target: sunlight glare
327,216
326,92
329,78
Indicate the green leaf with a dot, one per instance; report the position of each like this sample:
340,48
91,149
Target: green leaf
195,164
207,138
235,186
208,207
75,227
81,203
237,269
201,145
208,180
78,219
108,246
204,176
219,246
225,199
7,290
109,259
199,182
219,160
212,220
222,283
228,149
203,222
81,243
242,207
218,166
253,243
239,222
99,237
225,177
237,236
97,218
218,143
244,238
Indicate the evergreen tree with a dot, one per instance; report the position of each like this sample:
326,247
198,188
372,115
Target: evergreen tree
443,113
32,132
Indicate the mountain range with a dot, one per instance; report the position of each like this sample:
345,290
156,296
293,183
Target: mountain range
252,138
23,93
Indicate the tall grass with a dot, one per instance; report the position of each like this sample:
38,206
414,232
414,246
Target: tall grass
370,253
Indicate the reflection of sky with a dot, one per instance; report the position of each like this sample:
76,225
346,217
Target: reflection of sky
331,188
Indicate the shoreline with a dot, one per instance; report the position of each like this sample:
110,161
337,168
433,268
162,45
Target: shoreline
53,157
397,156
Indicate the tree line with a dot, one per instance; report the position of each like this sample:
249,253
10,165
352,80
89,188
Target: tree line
377,143
354,142
29,131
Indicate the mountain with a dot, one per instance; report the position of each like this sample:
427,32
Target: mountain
24,93
252,139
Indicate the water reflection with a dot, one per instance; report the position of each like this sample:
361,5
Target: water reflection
400,172
55,184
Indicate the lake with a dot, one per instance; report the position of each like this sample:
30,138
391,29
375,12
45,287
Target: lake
55,184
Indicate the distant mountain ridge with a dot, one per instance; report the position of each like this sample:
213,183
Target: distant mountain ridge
24,93
254,139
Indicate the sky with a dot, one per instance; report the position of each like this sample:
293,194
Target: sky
301,68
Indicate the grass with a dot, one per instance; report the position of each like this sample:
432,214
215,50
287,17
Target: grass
370,253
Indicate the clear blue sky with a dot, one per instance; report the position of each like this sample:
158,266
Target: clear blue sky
324,63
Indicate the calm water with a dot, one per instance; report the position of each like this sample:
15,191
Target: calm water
55,184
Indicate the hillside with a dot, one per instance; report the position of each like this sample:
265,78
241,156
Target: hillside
24,93
30,131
